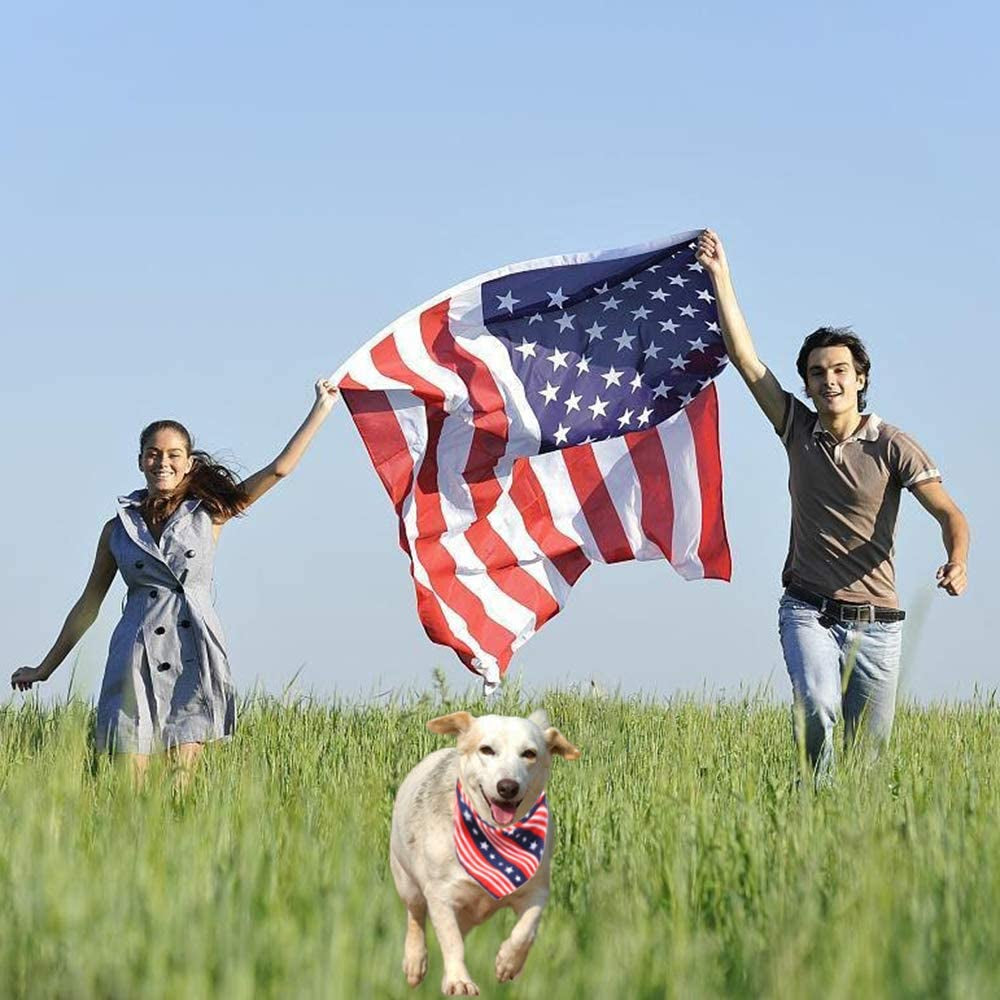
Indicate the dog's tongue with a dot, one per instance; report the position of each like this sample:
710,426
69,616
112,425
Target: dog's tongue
502,816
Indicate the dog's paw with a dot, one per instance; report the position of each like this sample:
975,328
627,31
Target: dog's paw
510,961
458,986
415,967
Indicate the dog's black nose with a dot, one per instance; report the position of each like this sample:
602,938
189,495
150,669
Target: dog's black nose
507,788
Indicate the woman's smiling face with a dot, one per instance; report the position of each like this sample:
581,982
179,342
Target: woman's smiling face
165,461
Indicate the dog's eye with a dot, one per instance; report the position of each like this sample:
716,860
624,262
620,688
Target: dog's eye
487,751
529,754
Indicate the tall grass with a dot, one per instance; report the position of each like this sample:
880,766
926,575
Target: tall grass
691,861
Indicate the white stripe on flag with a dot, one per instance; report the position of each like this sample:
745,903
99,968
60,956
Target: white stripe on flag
682,463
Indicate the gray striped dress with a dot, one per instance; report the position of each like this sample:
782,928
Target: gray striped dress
167,678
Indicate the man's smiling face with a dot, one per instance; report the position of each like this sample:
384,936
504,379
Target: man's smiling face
832,381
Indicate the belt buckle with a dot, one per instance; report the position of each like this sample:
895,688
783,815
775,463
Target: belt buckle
856,613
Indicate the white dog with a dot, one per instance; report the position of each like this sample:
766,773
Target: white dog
471,834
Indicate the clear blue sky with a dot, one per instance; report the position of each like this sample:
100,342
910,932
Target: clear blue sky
206,206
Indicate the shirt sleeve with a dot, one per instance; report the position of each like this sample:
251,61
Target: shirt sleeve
910,463
797,415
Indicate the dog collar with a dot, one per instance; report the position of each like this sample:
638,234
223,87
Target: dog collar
500,859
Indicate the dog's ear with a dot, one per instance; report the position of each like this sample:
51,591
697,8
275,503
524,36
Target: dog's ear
540,718
457,723
558,744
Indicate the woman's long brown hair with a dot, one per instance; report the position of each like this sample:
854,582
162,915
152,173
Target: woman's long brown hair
209,481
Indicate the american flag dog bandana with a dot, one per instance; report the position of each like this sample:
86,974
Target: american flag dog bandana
500,859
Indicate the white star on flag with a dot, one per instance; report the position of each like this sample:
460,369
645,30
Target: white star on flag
598,407
612,377
558,360
508,302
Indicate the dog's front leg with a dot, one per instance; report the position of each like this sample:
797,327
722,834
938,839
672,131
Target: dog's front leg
456,982
415,949
514,951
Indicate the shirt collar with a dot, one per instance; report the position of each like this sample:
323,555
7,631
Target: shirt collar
133,499
868,431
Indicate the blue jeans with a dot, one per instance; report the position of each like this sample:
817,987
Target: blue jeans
850,668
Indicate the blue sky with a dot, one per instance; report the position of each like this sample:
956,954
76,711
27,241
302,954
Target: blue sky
208,206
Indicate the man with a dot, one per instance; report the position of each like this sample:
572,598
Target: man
839,617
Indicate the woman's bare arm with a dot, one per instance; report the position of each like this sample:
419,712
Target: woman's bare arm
81,616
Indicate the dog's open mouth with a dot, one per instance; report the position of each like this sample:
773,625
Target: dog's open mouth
501,811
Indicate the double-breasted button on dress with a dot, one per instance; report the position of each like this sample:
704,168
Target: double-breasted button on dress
167,678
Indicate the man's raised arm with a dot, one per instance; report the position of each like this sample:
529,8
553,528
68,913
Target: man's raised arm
739,345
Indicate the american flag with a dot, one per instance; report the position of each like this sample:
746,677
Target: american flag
500,859
538,418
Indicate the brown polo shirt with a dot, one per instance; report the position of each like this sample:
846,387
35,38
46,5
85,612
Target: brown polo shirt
845,498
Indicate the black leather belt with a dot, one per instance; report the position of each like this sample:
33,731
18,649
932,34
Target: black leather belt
840,611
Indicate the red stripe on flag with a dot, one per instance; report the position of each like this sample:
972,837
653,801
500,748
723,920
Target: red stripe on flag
713,549
528,496
646,449
489,443
596,503
431,525
436,625
376,422
381,434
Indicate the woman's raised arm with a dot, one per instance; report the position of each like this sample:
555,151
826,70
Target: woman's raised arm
260,482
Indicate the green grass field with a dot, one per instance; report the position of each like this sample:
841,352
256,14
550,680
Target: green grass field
689,860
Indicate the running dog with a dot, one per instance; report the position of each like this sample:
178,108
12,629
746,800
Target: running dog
471,833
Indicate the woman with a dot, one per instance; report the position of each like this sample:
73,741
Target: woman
167,683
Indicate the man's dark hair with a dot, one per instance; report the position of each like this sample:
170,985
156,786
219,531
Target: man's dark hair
838,336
